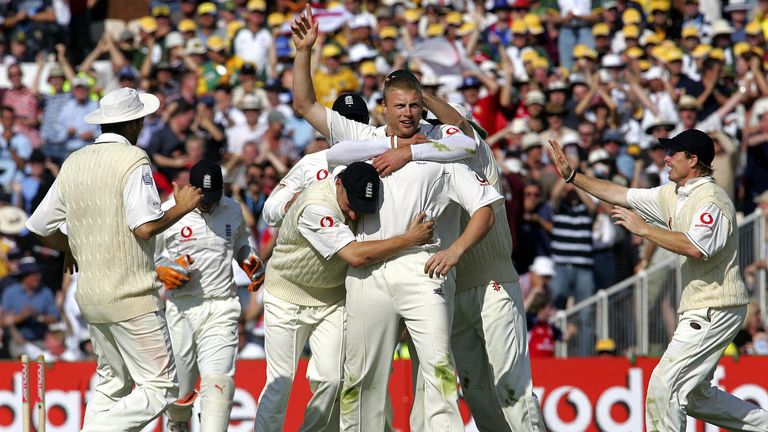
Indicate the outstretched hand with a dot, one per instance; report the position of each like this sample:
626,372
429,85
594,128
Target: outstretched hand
304,30
629,220
560,160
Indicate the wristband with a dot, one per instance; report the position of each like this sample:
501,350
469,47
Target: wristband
571,177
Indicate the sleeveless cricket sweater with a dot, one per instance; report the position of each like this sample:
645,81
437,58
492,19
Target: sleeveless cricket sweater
296,272
715,282
117,273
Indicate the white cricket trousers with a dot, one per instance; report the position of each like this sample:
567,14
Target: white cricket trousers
204,336
377,297
286,329
136,351
490,344
681,383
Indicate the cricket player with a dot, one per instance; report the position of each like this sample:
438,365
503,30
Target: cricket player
312,167
304,291
202,308
694,218
489,335
106,196
403,286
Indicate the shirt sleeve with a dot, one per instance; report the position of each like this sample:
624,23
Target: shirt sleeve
453,146
324,230
470,190
348,151
50,214
142,203
273,212
709,230
646,203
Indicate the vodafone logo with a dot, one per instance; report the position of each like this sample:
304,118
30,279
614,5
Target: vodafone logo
322,174
326,222
451,131
482,181
186,232
706,219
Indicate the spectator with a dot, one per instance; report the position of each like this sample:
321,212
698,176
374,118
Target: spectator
252,42
24,104
252,130
535,228
15,149
166,147
333,79
77,133
28,306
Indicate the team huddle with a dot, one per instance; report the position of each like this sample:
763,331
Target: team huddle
394,227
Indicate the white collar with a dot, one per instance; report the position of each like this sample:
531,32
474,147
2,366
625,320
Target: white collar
692,184
111,137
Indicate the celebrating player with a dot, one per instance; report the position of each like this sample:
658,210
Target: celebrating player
195,265
694,218
312,167
489,336
304,291
106,196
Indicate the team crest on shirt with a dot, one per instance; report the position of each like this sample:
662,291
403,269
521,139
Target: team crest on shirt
326,222
451,131
321,174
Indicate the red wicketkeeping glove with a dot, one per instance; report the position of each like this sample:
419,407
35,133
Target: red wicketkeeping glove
174,274
254,268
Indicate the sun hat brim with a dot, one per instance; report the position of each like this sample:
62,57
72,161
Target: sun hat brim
151,104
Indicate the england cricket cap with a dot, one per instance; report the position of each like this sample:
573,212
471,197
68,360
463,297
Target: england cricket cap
361,181
352,106
693,141
206,175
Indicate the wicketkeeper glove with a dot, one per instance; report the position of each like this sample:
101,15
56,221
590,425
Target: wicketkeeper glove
173,274
254,268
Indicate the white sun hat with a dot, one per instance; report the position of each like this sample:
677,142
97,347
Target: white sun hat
122,105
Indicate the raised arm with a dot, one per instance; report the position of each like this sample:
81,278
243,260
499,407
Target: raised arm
605,190
187,198
304,101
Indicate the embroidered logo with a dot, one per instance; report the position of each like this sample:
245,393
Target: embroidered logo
348,100
322,174
147,179
451,131
207,181
228,230
496,286
369,190
186,232
439,291
326,222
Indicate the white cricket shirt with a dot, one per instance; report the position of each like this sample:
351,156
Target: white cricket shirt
140,198
309,169
709,228
213,240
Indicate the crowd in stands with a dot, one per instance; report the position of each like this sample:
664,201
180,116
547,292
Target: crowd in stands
606,78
